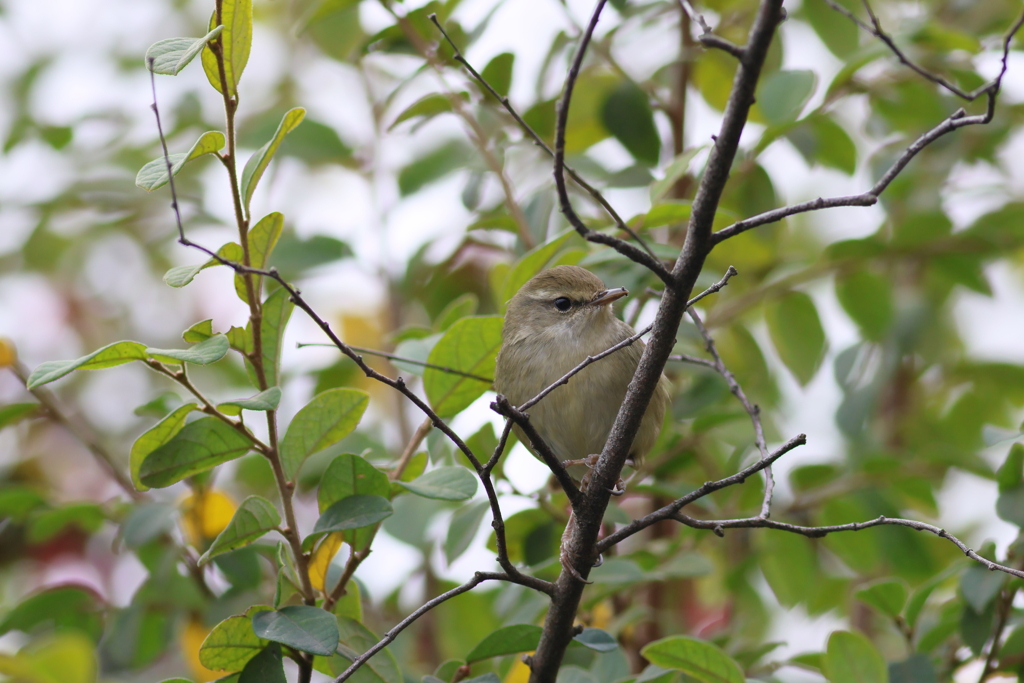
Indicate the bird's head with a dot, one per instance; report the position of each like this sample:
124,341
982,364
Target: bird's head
569,299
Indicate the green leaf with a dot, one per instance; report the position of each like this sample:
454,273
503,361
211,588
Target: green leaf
462,529
851,658
357,639
627,115
696,658
797,334
596,639
253,518
64,608
258,162
154,174
109,356
823,141
263,401
1010,505
665,214
203,353
354,512
235,42
197,447
305,628
433,166
428,107
262,238
201,331
351,475
45,524
498,72
59,658
232,642
266,667
506,641
157,435
179,276
837,33
867,299
444,483
276,310
169,57
782,95
531,263
328,418
470,345
294,256
1011,472
886,595
980,586
146,522
16,412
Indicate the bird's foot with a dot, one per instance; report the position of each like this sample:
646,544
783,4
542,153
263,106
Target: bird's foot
563,555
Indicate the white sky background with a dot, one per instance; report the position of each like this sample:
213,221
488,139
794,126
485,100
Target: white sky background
385,229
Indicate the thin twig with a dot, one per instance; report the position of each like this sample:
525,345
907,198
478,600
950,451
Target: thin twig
957,119
390,636
411,361
719,525
752,410
77,430
669,511
625,248
706,37
539,141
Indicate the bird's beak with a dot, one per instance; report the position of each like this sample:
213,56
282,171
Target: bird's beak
608,296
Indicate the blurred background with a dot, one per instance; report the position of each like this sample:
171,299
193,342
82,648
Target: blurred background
893,336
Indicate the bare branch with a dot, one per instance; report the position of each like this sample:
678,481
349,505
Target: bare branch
403,359
539,141
645,259
503,407
670,510
707,38
752,410
820,531
957,119
390,636
77,430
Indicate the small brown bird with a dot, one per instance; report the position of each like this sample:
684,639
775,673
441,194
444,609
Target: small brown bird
553,323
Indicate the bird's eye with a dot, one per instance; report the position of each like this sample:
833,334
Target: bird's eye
563,304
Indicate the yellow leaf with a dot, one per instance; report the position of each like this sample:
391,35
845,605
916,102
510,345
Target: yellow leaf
518,672
601,615
205,515
322,557
192,637
8,354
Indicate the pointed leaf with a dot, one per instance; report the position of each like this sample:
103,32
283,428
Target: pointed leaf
351,475
507,641
673,172
154,174
235,41
203,353
886,595
109,356
444,483
305,628
429,106
851,658
258,162
199,446
696,658
201,331
263,401
232,642
797,334
498,72
471,346
253,518
531,263
354,512
170,56
328,418
462,529
159,434
627,115
16,412
276,311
